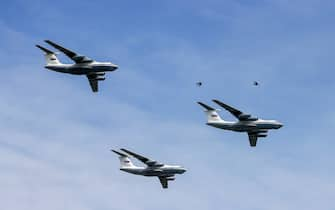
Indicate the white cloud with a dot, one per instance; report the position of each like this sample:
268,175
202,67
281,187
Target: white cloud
56,135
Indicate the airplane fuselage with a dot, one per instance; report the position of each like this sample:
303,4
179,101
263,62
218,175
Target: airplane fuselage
83,68
247,126
165,170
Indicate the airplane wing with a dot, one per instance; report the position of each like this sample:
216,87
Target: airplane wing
253,136
92,78
237,113
163,181
72,55
145,160
252,139
232,110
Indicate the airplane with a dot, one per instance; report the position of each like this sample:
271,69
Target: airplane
164,172
199,84
255,127
94,71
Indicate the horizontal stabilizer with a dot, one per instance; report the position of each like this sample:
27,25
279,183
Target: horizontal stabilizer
206,106
47,51
119,153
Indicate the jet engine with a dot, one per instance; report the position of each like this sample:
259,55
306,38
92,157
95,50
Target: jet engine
82,59
244,116
170,178
100,78
262,135
101,73
154,163
251,119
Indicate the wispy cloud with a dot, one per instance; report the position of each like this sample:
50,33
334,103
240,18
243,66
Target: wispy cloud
56,135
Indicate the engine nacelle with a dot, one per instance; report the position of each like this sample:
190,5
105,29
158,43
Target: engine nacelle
100,73
78,57
251,119
100,78
262,135
151,162
170,178
244,116
82,59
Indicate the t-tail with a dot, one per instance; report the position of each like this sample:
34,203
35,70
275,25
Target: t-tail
125,161
50,56
212,114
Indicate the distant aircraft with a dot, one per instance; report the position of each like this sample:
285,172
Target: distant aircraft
199,84
164,172
256,83
94,71
254,126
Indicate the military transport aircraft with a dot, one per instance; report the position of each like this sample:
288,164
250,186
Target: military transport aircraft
94,71
164,172
254,126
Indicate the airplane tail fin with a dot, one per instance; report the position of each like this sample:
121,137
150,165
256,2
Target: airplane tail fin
212,114
50,56
125,161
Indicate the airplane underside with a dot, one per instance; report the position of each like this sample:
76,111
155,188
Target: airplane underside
244,128
159,173
78,71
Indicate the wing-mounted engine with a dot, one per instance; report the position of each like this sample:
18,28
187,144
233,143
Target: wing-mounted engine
82,59
172,178
246,117
153,163
100,73
260,133
99,76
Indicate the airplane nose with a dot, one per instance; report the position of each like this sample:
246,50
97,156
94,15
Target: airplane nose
183,170
114,66
280,125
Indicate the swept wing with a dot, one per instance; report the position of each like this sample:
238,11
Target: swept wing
145,160
237,113
164,180
72,55
93,80
254,135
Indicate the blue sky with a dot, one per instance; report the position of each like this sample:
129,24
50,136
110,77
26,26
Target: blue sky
56,134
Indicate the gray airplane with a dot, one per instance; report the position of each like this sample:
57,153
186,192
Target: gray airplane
254,126
94,71
164,172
